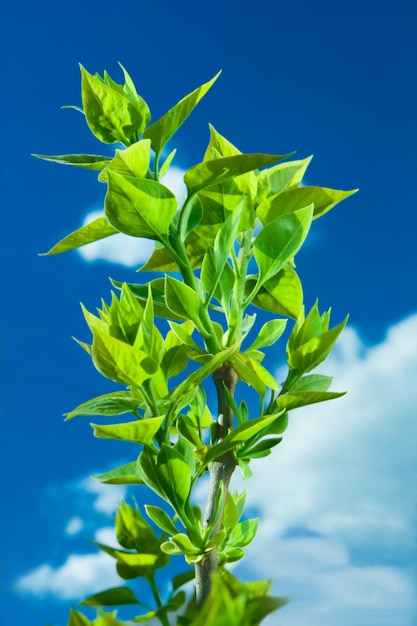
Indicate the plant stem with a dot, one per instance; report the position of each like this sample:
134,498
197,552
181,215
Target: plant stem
162,617
221,471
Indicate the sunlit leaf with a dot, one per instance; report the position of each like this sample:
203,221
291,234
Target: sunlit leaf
139,431
297,399
276,179
282,294
219,170
112,113
115,403
182,300
293,199
270,332
123,475
161,519
93,231
138,206
162,130
132,161
279,241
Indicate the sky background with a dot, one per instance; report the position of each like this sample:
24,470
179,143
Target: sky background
337,499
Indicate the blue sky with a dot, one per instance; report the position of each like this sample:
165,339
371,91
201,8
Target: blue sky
337,500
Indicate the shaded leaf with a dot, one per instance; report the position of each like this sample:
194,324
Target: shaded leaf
282,294
111,597
86,161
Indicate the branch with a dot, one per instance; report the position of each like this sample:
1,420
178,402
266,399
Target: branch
221,471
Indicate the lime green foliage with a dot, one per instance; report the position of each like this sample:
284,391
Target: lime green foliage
162,339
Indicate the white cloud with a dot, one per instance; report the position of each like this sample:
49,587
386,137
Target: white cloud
125,250
108,496
80,575
337,499
75,524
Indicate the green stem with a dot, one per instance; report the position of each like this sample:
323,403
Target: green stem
177,249
162,617
241,265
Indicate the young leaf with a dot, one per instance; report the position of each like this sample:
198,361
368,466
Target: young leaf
117,360
282,294
99,228
182,300
112,114
139,207
294,199
140,431
123,475
296,399
115,403
244,533
313,352
161,519
279,241
161,131
86,161
270,332
132,161
312,382
276,179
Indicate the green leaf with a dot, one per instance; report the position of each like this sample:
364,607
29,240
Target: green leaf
259,450
78,619
296,399
117,360
161,519
282,294
161,131
279,240
115,403
133,532
294,199
94,231
312,382
111,597
238,435
113,113
182,300
139,207
219,170
276,179
165,167
132,161
313,352
270,332
139,431
174,476
86,161
244,533
123,475
182,579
